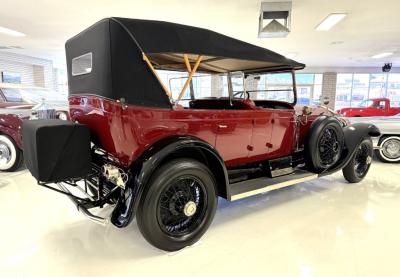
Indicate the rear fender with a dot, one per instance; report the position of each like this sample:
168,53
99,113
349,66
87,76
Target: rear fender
159,153
354,134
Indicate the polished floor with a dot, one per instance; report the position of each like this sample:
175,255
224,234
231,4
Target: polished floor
325,227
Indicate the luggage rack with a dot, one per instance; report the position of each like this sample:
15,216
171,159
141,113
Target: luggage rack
90,200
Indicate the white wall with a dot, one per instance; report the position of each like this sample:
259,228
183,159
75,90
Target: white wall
34,71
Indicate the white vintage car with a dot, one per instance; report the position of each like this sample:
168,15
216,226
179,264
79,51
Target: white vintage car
387,146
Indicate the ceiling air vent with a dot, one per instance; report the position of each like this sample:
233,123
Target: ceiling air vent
274,21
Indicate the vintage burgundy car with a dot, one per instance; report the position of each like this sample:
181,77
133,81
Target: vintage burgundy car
18,103
166,156
371,107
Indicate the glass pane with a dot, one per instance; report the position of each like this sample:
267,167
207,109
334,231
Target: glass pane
365,103
358,95
377,90
360,80
273,86
394,96
394,77
318,79
304,79
303,95
317,95
378,78
82,64
345,80
342,97
279,78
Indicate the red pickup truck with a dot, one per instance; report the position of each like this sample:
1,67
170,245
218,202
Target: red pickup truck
371,107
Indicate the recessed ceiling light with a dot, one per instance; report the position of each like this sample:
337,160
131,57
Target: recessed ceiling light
330,21
290,55
382,55
10,32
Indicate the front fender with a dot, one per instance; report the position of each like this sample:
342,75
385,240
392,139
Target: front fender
10,125
354,134
143,168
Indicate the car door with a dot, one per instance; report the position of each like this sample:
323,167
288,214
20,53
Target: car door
263,121
283,133
233,135
381,109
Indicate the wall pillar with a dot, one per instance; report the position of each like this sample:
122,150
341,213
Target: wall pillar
329,88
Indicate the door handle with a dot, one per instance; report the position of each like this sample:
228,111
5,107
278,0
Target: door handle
222,126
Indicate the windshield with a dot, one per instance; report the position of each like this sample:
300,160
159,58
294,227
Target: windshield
365,103
268,86
271,86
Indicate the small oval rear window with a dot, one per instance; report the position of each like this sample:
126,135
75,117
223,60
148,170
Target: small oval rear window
82,64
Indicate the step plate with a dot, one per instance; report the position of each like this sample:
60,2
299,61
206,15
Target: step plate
264,184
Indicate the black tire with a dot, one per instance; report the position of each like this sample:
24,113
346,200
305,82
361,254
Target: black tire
384,154
184,191
359,165
324,144
10,154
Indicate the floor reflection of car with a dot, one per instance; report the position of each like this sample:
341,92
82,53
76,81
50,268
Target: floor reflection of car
387,146
18,103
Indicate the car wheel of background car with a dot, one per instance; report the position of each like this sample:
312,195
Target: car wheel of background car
389,151
178,205
360,163
324,144
10,154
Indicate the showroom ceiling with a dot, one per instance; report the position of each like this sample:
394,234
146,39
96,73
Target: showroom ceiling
370,28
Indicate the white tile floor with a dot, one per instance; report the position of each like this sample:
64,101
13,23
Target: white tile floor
321,228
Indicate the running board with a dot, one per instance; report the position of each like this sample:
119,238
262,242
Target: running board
251,187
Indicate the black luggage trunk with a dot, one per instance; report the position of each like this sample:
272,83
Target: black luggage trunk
56,150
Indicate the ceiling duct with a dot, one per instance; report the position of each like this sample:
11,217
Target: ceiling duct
274,21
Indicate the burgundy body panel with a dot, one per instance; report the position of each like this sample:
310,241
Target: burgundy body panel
241,136
10,125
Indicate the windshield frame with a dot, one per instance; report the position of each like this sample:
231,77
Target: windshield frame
229,86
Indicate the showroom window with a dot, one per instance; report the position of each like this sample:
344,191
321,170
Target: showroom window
309,89
353,89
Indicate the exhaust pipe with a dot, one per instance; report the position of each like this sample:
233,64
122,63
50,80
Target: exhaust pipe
84,211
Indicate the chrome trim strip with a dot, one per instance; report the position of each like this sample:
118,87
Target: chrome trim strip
273,187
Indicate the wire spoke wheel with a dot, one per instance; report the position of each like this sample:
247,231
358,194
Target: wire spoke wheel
359,164
182,206
362,160
329,147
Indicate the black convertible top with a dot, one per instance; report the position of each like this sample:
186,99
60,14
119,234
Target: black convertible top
118,70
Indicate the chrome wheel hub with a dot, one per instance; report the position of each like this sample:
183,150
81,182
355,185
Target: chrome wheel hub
5,154
190,208
392,149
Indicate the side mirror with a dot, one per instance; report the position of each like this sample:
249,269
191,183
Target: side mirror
325,101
